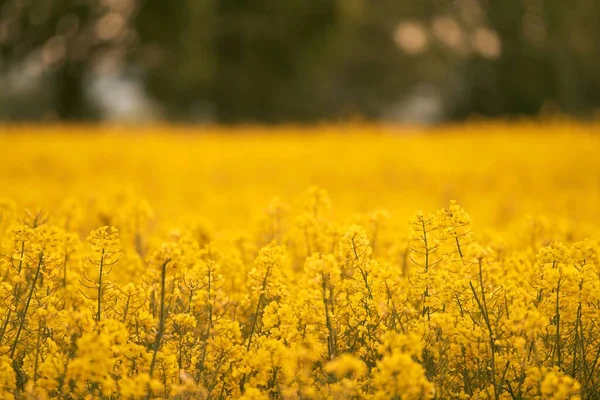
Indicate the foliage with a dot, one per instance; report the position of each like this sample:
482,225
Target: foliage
273,61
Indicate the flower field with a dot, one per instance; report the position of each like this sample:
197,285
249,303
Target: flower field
332,262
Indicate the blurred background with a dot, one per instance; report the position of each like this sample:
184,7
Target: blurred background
277,61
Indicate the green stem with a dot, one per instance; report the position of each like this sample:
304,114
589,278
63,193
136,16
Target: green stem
24,316
99,296
161,322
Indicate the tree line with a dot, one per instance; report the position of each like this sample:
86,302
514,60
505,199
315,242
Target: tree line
272,61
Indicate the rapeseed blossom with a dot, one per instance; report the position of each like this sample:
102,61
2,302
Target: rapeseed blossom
316,294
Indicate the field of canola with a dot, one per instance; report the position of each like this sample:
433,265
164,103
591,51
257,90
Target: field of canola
331,262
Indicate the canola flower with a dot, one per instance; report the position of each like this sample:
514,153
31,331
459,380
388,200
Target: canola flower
161,267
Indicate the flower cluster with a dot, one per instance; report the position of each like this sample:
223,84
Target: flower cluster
106,297
323,310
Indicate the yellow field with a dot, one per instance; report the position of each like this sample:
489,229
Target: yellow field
292,263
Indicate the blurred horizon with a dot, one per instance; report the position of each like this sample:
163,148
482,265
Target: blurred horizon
273,62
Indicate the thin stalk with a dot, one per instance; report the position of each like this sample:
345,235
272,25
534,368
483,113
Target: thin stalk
200,365
483,307
260,301
161,321
255,320
15,293
99,296
557,343
331,337
24,316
